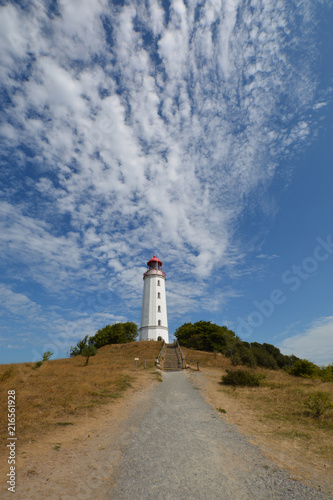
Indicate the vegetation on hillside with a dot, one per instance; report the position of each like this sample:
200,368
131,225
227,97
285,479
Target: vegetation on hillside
207,336
244,378
63,389
294,414
88,351
46,357
118,333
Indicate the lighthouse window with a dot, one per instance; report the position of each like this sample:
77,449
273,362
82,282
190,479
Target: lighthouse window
159,309
158,295
158,283
159,322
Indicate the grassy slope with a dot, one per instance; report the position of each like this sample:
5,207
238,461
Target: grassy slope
275,410
63,389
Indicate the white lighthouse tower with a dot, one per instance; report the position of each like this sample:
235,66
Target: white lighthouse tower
154,320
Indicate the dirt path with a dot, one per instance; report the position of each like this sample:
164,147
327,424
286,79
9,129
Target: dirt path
162,441
302,462
182,449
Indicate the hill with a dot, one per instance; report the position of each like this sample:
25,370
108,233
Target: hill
62,401
273,415
60,391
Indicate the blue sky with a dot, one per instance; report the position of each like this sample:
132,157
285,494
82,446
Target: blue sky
197,131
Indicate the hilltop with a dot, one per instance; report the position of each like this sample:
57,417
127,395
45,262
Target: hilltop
64,405
60,391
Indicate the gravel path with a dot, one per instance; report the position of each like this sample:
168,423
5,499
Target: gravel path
182,449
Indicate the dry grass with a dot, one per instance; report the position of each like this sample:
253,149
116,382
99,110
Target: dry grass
279,406
275,410
206,359
61,390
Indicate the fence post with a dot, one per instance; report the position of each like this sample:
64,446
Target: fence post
198,366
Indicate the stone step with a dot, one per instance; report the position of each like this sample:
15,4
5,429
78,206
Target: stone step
171,359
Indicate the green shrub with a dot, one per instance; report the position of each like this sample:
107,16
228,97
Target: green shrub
7,374
76,350
263,357
304,368
87,351
221,410
243,378
38,364
46,356
326,373
240,353
318,403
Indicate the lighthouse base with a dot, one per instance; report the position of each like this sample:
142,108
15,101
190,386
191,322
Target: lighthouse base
154,333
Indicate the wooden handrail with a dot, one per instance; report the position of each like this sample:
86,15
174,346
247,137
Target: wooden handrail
181,353
158,360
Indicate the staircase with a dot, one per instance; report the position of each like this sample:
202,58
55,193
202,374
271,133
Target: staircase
172,362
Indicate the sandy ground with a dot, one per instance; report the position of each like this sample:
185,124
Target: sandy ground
184,449
286,453
79,461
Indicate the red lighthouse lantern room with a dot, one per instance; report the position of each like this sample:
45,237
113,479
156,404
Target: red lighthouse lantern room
154,267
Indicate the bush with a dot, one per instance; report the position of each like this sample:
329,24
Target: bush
243,378
38,364
76,350
304,368
318,403
263,356
46,357
326,373
7,374
87,351
241,354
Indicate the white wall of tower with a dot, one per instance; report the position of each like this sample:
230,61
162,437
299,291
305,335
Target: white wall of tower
154,319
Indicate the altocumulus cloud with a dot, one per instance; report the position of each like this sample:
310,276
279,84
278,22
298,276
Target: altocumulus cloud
137,127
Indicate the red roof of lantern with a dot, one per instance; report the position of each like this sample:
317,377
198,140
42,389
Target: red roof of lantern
154,259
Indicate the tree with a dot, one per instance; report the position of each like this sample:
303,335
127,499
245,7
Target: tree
75,351
263,356
205,336
118,333
241,353
87,351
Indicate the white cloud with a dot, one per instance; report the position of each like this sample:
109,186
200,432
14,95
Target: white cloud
319,105
314,344
17,304
267,257
153,139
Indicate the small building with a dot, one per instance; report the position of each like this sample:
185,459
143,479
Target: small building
154,319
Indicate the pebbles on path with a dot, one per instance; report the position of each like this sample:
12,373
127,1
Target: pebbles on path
182,449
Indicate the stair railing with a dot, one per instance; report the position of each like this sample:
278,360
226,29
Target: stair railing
159,357
181,353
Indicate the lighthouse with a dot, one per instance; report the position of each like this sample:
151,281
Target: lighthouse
154,320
